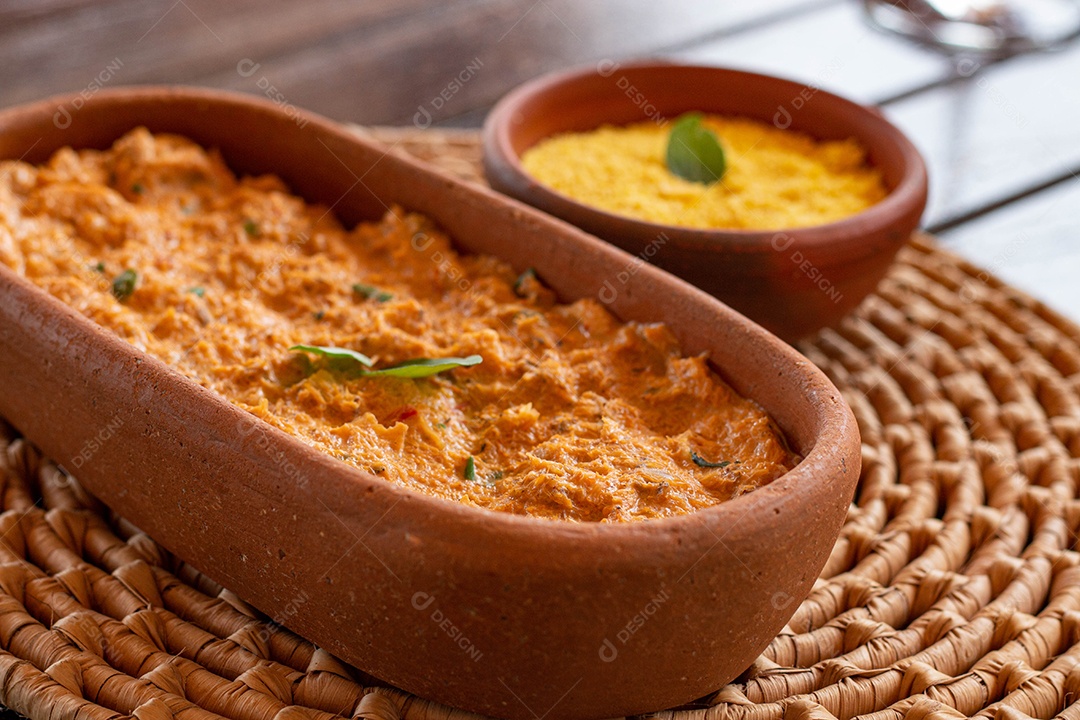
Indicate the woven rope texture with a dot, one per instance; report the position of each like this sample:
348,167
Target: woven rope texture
954,589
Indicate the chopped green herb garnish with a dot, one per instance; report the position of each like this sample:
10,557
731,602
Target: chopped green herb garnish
441,426
426,367
137,188
470,469
123,285
334,353
694,152
99,266
370,292
198,291
497,475
702,462
251,228
319,315
416,368
519,284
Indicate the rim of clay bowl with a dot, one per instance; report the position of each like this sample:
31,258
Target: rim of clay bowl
503,166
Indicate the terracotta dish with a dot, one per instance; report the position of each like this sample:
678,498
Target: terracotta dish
495,613
792,281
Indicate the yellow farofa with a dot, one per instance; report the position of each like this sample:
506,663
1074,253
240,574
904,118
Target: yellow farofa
775,178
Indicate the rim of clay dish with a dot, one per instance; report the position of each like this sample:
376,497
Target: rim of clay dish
832,426
909,192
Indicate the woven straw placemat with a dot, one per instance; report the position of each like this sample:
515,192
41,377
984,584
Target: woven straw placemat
953,590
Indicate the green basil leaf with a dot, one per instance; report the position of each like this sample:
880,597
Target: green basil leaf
694,152
523,278
426,367
123,285
334,352
702,462
370,292
415,368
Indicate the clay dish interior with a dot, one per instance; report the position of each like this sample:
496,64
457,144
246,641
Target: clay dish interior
543,607
792,281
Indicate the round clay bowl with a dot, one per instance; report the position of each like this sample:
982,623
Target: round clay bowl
792,281
499,614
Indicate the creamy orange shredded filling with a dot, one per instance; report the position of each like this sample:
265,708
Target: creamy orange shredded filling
572,414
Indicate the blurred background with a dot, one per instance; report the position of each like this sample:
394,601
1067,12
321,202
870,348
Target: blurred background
1000,135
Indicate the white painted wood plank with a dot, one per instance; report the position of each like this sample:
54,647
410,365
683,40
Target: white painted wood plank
1033,245
833,49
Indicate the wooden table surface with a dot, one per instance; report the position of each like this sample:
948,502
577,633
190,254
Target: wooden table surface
1001,139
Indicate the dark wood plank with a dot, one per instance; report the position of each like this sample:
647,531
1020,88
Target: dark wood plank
367,61
167,41
474,54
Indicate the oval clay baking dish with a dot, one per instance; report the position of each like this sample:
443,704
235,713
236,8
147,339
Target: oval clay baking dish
494,613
